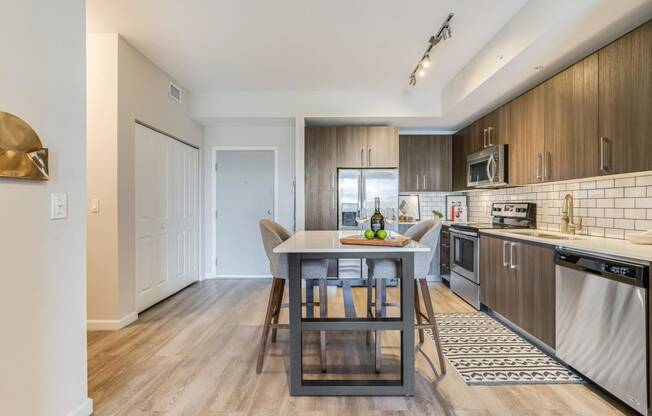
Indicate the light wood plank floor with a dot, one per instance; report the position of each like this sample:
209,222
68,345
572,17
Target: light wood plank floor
195,354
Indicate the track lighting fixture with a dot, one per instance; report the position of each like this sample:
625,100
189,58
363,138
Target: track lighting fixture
443,33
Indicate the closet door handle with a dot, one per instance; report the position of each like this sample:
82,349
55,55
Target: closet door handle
505,263
512,265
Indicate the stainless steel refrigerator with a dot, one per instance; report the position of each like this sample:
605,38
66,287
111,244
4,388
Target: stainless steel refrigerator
357,190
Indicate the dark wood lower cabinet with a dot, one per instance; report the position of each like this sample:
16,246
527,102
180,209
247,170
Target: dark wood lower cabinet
444,251
517,281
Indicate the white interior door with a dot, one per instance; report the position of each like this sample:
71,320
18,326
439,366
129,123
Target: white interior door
244,195
167,217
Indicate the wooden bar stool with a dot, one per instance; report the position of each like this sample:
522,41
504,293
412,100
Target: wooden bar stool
274,234
427,233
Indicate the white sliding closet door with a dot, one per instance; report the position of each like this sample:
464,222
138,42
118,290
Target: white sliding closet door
167,217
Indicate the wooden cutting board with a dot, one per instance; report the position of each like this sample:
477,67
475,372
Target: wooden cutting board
394,241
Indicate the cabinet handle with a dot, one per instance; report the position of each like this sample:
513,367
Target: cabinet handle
505,253
334,202
417,182
484,138
332,180
489,129
539,160
424,183
546,166
361,157
512,265
603,166
369,158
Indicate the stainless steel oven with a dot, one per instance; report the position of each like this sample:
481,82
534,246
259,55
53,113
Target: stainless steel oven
488,167
465,264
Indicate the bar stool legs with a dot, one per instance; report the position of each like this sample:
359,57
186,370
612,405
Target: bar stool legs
432,323
323,312
273,310
417,311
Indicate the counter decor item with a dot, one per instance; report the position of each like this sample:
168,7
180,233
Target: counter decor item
408,208
641,238
22,155
454,201
437,214
460,214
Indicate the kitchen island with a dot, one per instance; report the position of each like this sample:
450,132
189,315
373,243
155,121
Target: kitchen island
326,245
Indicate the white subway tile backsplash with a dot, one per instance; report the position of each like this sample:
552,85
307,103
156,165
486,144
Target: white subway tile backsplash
625,202
631,181
644,180
636,192
610,207
636,213
614,192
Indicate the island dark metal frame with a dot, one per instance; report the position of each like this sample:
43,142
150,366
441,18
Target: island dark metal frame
405,324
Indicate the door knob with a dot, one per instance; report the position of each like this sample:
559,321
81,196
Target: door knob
269,212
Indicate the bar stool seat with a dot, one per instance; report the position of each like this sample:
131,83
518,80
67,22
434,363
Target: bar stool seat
272,235
427,233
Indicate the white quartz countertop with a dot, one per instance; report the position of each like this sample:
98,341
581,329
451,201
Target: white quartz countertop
329,242
598,245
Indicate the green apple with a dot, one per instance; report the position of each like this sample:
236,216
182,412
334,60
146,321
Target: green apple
382,234
369,234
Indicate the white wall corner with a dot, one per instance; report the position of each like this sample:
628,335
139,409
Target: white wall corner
84,409
111,324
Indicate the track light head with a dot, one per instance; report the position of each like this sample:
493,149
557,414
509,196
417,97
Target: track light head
425,61
443,33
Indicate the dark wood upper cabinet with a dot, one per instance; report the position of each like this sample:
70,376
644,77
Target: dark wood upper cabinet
367,147
425,163
465,142
351,146
382,147
524,134
625,102
320,158
571,122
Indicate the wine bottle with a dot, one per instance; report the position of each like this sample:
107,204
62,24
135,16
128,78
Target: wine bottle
377,220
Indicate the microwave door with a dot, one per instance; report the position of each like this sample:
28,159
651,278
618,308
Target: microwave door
478,171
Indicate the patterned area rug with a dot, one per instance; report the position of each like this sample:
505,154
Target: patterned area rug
485,352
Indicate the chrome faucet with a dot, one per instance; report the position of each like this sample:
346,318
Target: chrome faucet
567,223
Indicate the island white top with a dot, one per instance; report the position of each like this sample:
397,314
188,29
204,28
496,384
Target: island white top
597,245
329,242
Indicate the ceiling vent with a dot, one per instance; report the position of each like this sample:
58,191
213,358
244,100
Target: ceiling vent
174,92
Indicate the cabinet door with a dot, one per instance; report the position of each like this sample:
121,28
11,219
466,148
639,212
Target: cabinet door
571,122
625,86
382,147
321,158
466,141
438,164
321,210
492,127
352,147
535,283
525,137
498,288
408,169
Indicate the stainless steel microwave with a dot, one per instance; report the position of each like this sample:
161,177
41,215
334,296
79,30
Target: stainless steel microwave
487,168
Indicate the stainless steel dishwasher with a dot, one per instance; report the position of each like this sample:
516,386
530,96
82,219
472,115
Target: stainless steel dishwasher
601,322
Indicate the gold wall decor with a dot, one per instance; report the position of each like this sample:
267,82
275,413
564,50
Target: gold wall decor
21,153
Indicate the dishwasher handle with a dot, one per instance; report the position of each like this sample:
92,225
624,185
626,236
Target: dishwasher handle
623,271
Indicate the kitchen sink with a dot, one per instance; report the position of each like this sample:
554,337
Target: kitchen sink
544,234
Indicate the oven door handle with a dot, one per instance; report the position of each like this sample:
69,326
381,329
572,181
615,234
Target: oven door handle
464,234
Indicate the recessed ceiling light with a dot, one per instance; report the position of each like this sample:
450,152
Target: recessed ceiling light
538,67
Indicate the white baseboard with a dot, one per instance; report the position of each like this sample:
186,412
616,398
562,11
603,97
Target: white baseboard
238,276
110,324
84,409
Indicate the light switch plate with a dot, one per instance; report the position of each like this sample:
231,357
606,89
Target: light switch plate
58,206
95,206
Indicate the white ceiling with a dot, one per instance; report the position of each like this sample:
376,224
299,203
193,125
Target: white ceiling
253,45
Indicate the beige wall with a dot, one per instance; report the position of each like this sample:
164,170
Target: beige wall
141,92
43,275
102,181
